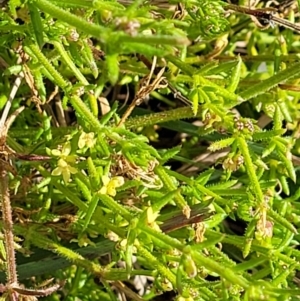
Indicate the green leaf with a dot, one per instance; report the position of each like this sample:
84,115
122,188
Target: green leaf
288,164
235,76
169,153
266,135
221,144
91,209
195,102
112,66
281,220
36,24
271,82
108,5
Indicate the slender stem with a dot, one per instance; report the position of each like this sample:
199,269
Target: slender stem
155,263
57,77
12,277
265,15
12,95
291,58
269,83
69,62
286,23
223,271
85,113
253,12
96,30
166,116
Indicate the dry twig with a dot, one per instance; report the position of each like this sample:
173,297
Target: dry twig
146,87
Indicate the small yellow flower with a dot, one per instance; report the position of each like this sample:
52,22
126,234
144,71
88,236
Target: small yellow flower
110,185
64,154
64,169
83,241
151,219
180,298
86,140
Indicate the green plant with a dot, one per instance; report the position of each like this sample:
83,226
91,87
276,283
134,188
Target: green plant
80,175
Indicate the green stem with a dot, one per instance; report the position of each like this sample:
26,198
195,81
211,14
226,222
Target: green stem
200,187
157,265
74,3
216,267
31,132
85,113
270,82
240,242
172,242
64,55
72,197
154,39
114,206
151,119
100,32
59,80
45,243
256,58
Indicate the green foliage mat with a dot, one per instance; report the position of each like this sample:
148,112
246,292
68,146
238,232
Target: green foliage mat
149,147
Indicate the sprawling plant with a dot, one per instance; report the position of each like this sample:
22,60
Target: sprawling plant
98,202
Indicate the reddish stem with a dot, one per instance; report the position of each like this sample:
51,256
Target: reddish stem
12,277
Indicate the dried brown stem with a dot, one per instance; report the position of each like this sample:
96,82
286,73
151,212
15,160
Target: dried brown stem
46,291
264,15
12,277
146,87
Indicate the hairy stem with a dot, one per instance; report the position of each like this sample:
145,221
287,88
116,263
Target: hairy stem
12,277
